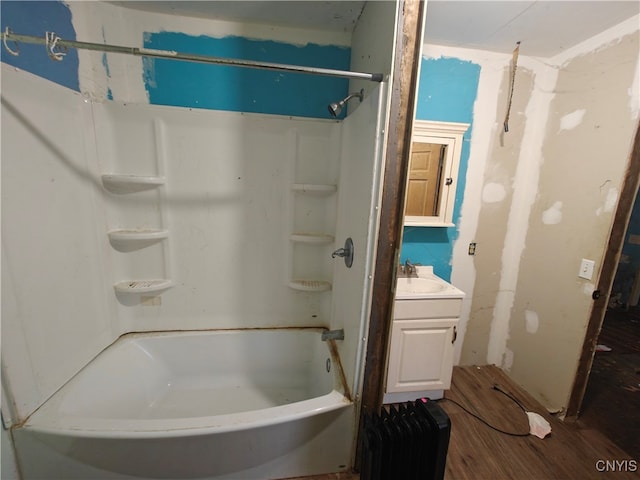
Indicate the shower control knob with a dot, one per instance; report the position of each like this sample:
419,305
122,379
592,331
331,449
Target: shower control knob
346,252
338,253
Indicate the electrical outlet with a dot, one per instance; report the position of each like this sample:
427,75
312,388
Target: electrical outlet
586,269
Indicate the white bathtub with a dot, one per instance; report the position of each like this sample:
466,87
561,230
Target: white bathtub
240,404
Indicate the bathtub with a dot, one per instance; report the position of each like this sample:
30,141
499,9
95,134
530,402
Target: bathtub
231,404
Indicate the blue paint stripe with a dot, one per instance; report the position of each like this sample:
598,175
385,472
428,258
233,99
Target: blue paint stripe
447,92
36,18
220,87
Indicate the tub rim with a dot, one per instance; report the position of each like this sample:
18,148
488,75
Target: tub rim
87,427
45,420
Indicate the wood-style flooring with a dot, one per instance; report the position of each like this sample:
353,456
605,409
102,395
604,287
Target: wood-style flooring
476,452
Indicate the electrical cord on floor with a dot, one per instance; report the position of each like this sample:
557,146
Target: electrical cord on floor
497,387
477,417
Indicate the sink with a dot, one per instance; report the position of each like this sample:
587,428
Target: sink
426,285
419,285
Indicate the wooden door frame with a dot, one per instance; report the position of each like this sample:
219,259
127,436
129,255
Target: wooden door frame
605,281
404,86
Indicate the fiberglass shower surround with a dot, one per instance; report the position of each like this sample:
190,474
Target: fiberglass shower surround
157,232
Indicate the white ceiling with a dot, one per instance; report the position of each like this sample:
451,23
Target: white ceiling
322,15
545,28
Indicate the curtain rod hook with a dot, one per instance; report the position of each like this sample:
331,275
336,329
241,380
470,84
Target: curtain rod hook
52,42
16,52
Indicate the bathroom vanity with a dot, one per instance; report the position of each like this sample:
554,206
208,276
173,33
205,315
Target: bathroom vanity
423,334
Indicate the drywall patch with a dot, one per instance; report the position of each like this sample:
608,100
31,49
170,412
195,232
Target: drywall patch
572,120
531,321
525,191
610,202
507,359
552,215
588,288
493,193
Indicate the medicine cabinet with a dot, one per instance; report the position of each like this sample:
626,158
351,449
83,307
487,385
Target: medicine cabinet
433,173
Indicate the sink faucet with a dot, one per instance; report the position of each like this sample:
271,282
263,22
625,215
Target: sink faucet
410,268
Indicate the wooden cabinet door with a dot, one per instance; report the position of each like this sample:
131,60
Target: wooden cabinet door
421,355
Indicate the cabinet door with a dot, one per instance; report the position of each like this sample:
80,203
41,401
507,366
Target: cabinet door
421,355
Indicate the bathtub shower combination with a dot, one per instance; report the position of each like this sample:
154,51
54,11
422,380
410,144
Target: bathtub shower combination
228,404
178,307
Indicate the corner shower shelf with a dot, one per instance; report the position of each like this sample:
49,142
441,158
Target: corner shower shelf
312,238
137,235
142,286
314,188
310,285
130,183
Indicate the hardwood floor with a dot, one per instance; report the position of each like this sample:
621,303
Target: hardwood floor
476,452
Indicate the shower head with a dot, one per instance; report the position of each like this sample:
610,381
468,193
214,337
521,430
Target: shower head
336,108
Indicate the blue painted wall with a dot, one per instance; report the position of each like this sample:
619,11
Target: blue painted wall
447,92
36,18
219,87
187,84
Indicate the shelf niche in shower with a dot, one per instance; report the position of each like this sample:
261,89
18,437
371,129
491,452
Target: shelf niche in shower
137,235
302,235
142,286
310,285
130,183
129,240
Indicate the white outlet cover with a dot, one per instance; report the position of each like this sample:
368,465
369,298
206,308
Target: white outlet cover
586,269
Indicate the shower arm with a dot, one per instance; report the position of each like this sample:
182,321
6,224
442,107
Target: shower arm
352,95
57,48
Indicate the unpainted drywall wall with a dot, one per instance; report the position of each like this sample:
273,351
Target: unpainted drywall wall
525,310
585,149
496,202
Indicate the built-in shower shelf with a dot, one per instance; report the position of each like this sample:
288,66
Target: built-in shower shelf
312,238
142,286
130,183
314,188
137,235
310,285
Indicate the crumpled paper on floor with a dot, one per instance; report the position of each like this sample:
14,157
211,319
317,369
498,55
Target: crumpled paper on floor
538,426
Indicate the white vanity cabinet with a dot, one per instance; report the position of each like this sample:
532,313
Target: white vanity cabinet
420,359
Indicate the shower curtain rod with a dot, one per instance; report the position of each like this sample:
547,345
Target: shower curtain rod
54,44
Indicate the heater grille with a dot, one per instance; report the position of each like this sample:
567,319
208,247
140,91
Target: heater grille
407,441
